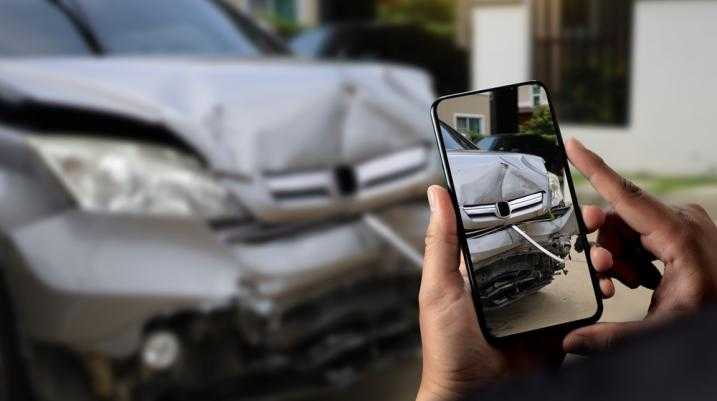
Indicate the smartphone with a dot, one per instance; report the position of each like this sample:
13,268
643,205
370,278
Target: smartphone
520,227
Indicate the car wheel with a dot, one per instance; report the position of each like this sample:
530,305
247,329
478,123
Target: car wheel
13,377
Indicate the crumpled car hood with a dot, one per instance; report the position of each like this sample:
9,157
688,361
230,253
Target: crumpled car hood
250,118
488,177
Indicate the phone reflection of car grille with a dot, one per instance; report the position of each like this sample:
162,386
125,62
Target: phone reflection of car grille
525,202
505,209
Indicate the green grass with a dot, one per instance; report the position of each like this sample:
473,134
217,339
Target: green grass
659,184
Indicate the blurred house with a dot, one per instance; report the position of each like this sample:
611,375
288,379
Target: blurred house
468,114
308,13
302,12
633,79
472,115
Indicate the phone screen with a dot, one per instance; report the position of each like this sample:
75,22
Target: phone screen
524,245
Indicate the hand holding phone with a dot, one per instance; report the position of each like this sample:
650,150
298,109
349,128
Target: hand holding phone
457,359
518,221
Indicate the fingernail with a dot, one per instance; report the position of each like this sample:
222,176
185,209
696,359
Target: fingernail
432,202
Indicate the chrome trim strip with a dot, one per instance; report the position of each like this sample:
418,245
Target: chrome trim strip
525,201
391,167
516,205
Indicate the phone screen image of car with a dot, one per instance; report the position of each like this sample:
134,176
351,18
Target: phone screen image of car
507,169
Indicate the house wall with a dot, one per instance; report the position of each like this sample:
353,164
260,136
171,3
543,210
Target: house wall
672,125
308,12
466,105
500,52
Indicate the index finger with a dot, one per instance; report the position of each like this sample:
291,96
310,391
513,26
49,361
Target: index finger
638,209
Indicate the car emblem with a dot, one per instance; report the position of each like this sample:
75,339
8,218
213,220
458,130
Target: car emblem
502,209
345,180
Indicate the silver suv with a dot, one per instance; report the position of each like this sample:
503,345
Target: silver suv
186,211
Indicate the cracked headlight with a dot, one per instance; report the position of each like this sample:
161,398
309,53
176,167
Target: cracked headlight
127,177
556,191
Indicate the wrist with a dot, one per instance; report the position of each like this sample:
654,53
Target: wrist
432,391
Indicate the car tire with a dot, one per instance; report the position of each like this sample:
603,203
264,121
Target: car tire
14,384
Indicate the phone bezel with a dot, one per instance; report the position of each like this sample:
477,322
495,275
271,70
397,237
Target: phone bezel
461,232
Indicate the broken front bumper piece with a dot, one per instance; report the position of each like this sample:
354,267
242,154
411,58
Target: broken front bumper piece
259,317
511,263
319,305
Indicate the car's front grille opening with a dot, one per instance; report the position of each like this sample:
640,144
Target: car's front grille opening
303,193
345,180
299,186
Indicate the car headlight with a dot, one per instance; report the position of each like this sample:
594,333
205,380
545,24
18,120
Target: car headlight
128,177
556,191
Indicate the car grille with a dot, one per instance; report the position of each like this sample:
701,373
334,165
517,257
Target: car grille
512,207
346,180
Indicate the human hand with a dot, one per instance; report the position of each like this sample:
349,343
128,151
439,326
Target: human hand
637,230
457,360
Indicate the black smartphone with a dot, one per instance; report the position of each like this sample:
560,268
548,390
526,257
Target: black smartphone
520,227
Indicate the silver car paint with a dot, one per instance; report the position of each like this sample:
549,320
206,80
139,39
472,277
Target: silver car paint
91,281
259,119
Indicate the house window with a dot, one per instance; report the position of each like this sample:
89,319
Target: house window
581,51
536,95
470,125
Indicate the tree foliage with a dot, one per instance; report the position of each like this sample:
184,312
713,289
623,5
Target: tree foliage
437,16
541,123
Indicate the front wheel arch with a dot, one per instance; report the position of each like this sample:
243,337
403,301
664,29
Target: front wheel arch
14,380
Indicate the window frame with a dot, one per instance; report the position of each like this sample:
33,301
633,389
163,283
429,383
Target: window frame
479,117
604,37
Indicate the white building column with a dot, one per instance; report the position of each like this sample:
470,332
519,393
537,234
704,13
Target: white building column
307,12
501,42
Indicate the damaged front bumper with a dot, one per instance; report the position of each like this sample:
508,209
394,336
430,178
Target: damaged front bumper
307,308
510,264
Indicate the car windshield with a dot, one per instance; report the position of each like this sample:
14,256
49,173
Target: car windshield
488,143
173,27
453,140
311,42
38,28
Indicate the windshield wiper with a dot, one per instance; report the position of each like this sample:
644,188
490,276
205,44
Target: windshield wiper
83,28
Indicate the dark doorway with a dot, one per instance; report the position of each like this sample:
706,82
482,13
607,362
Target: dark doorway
347,10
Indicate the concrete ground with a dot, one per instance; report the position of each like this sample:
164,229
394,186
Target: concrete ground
400,381
569,297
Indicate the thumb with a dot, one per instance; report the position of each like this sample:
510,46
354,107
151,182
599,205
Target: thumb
440,262
602,336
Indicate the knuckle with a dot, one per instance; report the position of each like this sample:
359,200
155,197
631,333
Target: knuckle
685,235
425,298
628,192
437,239
697,210
599,161
630,189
